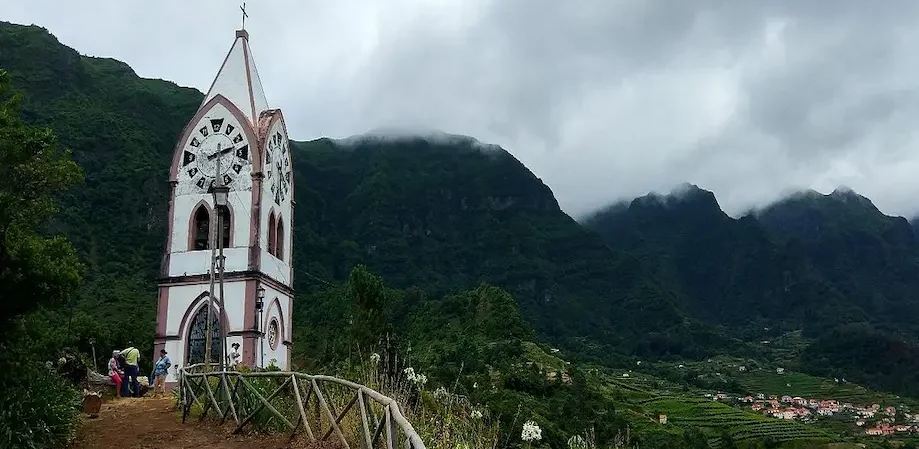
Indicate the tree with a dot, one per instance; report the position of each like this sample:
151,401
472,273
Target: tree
367,292
35,269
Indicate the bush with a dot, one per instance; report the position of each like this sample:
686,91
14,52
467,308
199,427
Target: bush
38,408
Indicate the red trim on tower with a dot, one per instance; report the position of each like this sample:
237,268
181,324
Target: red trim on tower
249,320
290,323
196,279
249,79
164,266
162,313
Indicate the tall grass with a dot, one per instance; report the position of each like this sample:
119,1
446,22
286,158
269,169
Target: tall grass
442,418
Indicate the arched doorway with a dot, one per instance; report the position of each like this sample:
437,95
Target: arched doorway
197,336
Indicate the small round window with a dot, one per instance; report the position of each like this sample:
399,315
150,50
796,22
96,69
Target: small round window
273,333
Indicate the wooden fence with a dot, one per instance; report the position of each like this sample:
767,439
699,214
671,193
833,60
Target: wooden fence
242,397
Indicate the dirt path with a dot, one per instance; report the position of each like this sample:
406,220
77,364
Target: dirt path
155,424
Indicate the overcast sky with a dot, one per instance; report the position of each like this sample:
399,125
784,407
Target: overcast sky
603,100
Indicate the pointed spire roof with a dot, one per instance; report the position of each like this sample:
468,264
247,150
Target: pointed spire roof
238,80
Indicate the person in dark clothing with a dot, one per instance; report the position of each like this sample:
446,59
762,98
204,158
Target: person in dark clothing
125,386
131,370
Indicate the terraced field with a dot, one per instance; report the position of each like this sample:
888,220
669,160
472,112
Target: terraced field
717,418
797,384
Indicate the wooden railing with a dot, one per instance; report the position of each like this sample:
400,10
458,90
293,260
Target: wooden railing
241,396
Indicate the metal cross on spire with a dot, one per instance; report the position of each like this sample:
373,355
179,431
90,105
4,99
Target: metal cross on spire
243,9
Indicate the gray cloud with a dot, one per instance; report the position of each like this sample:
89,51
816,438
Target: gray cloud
603,99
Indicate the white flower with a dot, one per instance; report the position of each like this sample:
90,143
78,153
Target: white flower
531,432
374,358
475,385
419,379
441,393
576,442
476,414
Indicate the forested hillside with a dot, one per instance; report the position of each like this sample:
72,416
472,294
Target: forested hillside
441,216
831,266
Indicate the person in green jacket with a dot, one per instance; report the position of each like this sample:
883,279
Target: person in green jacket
130,386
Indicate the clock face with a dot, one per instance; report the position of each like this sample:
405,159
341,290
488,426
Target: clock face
278,165
217,149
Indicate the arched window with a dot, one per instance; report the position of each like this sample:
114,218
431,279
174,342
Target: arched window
279,245
225,224
272,231
202,229
197,336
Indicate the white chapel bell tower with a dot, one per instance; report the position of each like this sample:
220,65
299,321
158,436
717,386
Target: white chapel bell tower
233,139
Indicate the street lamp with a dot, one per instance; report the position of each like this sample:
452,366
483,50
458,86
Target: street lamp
260,307
221,198
92,343
221,195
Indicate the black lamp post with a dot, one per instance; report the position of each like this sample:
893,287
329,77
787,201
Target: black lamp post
92,343
260,307
221,198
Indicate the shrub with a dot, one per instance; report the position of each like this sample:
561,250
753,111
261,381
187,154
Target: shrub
38,408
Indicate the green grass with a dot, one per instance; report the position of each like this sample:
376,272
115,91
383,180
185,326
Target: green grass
542,357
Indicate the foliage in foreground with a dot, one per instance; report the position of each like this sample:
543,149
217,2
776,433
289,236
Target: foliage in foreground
37,407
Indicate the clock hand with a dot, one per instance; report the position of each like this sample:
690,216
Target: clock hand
220,152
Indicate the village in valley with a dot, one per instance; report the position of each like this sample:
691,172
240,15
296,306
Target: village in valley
875,419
